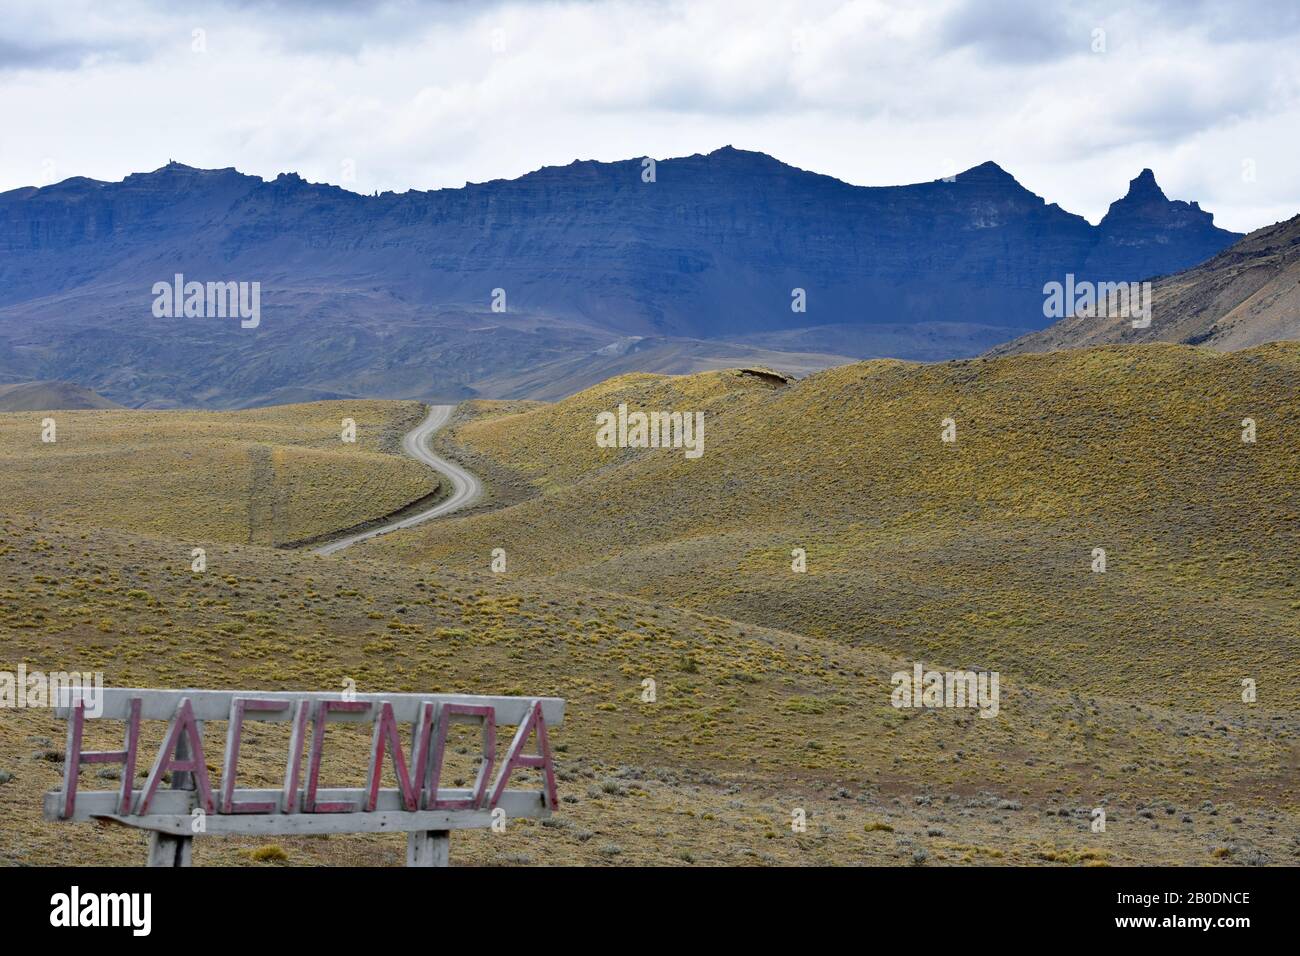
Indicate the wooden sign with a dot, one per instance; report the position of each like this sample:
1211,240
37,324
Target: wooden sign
194,804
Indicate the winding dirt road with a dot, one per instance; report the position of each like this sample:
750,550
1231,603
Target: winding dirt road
465,488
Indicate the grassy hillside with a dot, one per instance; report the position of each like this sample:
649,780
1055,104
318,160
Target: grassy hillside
555,380
39,396
1119,689
1247,295
264,476
978,552
748,724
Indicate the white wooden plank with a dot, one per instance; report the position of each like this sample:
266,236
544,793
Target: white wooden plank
166,849
428,848
171,813
215,704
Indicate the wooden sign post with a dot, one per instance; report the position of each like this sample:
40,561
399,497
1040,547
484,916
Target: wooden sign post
418,805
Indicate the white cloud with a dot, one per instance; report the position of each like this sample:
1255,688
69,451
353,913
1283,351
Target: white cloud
425,95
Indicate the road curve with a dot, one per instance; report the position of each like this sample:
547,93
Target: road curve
465,488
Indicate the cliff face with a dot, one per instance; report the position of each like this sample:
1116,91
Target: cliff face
713,247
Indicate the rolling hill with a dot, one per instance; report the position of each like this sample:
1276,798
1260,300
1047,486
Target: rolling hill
274,476
978,551
773,688
748,723
49,396
556,380
1117,690
1247,295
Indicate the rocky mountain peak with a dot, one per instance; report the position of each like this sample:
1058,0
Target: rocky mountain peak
1144,188
988,172
1146,219
1146,202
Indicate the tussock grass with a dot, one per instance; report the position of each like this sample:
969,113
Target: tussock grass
714,767
262,476
975,553
773,688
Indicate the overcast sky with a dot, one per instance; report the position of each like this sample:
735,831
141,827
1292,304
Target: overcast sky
1072,98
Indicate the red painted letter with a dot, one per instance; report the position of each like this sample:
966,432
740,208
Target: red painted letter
75,757
237,709
445,720
323,709
184,731
515,757
386,738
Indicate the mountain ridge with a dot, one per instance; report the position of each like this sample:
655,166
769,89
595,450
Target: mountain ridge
388,294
